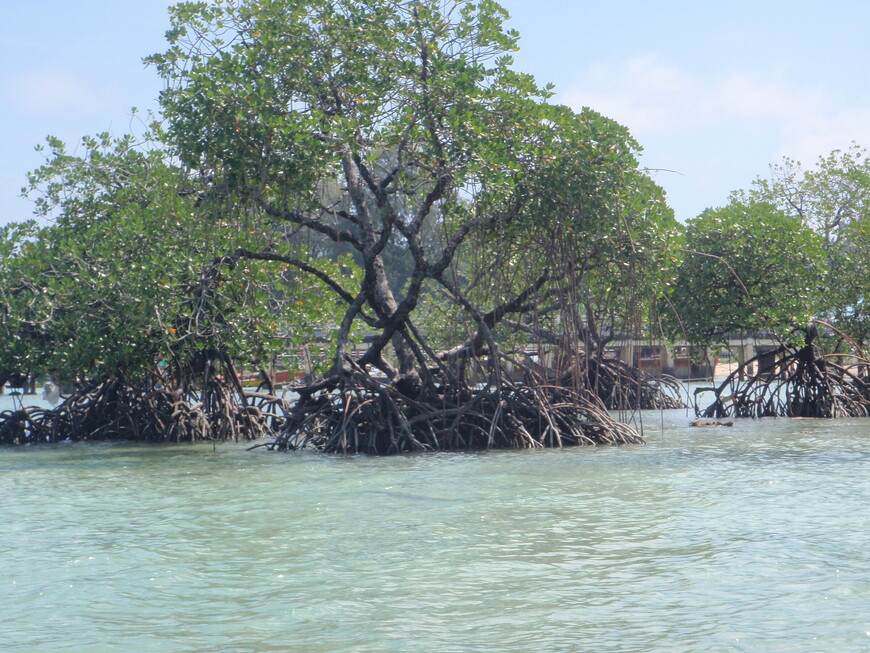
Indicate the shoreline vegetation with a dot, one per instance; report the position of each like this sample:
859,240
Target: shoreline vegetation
375,181
118,411
542,414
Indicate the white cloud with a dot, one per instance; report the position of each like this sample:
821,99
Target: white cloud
655,98
718,130
642,93
56,93
814,137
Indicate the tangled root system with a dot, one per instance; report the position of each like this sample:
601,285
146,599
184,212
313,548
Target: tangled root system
622,387
360,415
125,411
801,383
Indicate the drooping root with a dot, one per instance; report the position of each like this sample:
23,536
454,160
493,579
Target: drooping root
120,410
801,383
357,415
623,387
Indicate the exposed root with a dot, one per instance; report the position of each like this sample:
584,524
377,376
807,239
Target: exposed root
360,415
351,412
623,387
801,383
356,415
120,410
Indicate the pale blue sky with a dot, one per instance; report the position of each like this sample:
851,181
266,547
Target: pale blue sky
714,91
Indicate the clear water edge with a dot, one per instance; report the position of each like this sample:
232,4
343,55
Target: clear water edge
752,538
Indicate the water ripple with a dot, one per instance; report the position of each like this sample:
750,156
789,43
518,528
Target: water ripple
747,539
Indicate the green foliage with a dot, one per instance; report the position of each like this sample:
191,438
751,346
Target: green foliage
22,307
272,95
319,151
592,221
130,272
353,122
399,133
834,200
747,267
849,299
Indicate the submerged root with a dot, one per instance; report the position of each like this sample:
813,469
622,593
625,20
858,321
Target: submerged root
359,415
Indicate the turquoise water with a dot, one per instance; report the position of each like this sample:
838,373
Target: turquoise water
753,538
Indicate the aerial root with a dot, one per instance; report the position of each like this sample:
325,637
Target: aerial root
358,416
120,410
623,387
351,413
801,383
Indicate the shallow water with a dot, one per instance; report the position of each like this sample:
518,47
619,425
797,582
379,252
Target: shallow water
753,538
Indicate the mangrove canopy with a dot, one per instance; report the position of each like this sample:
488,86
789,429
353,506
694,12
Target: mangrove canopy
370,176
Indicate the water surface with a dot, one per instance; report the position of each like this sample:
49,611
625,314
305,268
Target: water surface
752,538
